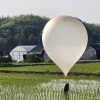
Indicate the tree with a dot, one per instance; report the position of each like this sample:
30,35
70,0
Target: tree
27,30
4,58
20,30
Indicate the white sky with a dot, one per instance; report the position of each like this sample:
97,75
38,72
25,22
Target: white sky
86,10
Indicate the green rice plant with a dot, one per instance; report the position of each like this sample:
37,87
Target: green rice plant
52,90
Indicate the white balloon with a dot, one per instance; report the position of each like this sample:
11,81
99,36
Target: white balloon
64,39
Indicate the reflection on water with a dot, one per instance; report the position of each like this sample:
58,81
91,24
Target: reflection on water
53,90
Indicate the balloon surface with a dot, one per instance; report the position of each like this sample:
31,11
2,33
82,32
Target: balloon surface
64,39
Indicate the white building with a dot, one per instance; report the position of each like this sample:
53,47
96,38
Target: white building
18,52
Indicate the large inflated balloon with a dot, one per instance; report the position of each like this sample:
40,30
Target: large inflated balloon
64,39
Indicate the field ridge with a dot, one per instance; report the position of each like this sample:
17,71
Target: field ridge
53,73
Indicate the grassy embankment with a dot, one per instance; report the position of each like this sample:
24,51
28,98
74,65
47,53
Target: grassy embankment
79,68
39,78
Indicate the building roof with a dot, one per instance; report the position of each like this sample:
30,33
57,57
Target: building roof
94,45
24,48
28,48
89,47
36,50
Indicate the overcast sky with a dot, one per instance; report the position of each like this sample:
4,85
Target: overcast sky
86,10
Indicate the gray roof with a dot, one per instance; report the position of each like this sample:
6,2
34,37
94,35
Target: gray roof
24,48
36,50
28,48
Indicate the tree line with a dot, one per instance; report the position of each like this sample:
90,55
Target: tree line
27,30
21,30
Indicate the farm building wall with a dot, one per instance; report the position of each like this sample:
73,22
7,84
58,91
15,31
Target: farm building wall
89,54
96,46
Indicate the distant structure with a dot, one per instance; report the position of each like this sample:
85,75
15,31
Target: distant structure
92,52
89,54
96,46
18,52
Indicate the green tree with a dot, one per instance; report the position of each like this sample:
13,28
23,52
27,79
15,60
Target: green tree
32,58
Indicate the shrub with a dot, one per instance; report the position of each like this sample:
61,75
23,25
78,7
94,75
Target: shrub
5,60
32,58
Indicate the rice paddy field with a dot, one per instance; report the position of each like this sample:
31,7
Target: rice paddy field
21,86
81,67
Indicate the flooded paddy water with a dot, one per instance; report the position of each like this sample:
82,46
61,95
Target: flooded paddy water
53,90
